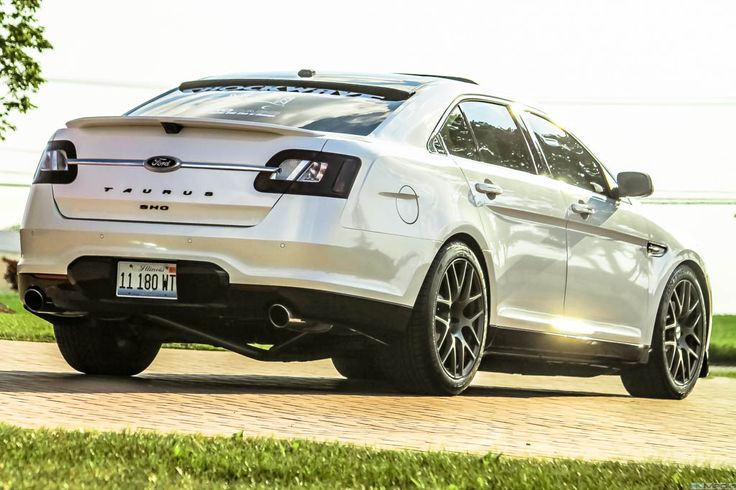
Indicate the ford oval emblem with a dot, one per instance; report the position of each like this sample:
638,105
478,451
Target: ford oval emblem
162,164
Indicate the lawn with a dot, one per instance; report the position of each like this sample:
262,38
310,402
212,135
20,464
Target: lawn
723,340
24,326
61,459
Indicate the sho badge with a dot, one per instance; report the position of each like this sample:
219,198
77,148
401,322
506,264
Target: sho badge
162,164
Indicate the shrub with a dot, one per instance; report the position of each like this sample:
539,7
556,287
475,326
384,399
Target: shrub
11,273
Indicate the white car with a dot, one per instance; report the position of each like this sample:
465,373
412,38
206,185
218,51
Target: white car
412,228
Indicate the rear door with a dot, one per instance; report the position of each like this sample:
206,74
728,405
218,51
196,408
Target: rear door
606,296
522,215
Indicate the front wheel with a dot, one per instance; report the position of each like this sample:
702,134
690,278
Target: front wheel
105,347
444,343
678,342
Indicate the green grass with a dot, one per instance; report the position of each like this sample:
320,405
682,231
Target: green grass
722,372
24,326
62,459
723,340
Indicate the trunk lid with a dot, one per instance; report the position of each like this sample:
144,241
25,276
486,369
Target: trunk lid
110,191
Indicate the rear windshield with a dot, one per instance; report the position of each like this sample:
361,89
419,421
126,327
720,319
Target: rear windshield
319,109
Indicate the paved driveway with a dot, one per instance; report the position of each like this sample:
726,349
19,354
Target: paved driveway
221,393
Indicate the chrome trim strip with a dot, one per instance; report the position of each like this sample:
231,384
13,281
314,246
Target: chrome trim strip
196,165
229,166
105,161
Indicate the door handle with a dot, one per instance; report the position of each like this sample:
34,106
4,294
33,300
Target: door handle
488,189
582,209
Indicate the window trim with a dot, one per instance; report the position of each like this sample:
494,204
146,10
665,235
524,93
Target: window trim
607,176
490,100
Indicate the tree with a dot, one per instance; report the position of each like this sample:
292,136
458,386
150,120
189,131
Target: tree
20,74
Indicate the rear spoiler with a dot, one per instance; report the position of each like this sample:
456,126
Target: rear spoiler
379,91
176,124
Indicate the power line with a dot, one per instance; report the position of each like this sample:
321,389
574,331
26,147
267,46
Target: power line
108,83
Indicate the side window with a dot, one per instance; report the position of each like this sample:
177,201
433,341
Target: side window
457,136
500,141
568,160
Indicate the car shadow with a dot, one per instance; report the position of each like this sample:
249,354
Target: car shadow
52,382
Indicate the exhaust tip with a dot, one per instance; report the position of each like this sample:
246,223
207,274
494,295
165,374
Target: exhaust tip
34,299
279,315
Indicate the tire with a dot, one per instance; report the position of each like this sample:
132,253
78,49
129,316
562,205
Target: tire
678,339
106,348
421,361
362,366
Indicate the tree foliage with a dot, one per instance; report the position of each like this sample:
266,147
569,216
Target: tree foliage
21,37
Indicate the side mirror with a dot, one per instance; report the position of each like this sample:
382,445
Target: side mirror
634,184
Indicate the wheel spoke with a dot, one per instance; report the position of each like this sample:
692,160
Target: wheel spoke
443,301
450,348
686,290
449,287
691,352
445,331
672,361
461,352
456,282
693,307
467,347
472,299
475,335
687,366
680,364
695,323
473,318
678,302
465,284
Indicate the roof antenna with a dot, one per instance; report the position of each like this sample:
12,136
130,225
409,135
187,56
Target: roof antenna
306,73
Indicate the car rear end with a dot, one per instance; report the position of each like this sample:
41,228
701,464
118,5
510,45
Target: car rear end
216,201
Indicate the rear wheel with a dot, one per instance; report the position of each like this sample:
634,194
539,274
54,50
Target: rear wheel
443,346
677,343
105,347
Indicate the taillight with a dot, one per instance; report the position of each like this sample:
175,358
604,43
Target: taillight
310,173
54,168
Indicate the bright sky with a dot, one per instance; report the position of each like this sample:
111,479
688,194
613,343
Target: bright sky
573,57
648,85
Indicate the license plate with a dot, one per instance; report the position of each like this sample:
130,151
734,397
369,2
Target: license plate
146,280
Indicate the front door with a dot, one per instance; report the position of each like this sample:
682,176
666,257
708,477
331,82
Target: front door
606,296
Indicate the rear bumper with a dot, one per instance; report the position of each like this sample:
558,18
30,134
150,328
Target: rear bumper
208,300
299,245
